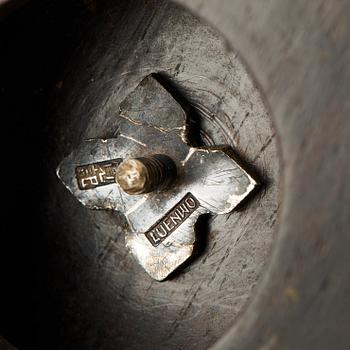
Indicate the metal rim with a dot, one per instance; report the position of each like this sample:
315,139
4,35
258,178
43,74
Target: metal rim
297,51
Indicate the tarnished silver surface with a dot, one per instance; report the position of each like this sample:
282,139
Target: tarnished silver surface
198,305
161,224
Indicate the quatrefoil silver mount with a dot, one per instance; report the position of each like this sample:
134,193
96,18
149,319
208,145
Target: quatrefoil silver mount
161,233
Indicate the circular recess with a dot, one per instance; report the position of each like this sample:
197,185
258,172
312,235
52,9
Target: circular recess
118,304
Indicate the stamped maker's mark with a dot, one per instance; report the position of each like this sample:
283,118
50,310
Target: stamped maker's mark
97,174
172,220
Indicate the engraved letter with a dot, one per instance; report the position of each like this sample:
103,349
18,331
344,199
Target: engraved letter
182,210
190,203
164,233
175,217
154,238
167,225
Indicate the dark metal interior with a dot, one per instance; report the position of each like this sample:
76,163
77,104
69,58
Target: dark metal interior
70,283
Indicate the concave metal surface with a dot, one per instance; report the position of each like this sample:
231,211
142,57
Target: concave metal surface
299,52
80,293
114,303
160,234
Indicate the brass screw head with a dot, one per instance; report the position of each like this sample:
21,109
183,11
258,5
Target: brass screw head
146,174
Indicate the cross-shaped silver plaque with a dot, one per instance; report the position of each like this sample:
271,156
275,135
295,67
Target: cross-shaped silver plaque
161,222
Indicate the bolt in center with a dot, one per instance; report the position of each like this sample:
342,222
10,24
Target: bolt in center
146,174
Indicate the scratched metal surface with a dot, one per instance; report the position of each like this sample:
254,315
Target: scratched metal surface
105,294
299,51
153,122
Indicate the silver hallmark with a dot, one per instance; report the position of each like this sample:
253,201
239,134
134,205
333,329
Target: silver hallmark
172,220
163,184
90,176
